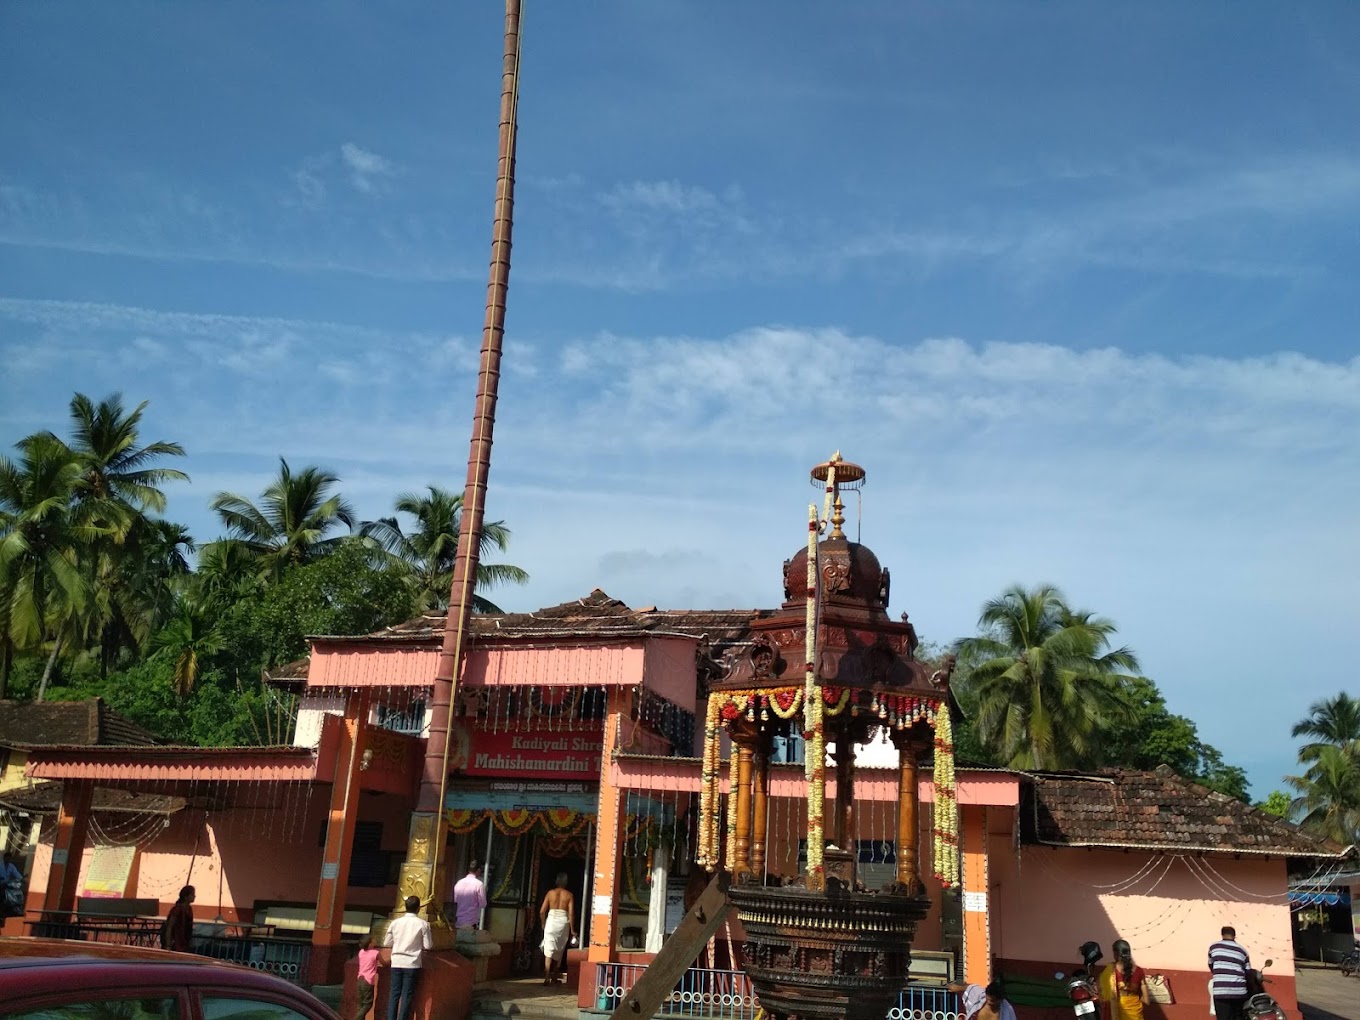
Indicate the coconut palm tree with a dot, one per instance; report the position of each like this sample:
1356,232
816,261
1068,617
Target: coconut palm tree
114,466
186,639
292,521
1043,678
42,539
1332,722
135,584
425,556
119,487
227,572
1328,800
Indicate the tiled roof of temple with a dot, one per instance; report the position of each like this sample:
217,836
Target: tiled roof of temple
1154,810
68,723
596,614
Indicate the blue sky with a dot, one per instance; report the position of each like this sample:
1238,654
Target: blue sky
1075,283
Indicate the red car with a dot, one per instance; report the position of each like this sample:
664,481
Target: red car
52,979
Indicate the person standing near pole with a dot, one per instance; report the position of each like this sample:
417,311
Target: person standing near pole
409,936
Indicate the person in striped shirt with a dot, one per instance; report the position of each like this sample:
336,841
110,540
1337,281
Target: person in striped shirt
1228,964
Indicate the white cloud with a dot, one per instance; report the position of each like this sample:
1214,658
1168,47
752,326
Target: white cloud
1206,504
661,196
365,167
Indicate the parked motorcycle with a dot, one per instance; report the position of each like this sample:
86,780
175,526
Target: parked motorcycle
1350,963
1083,989
1260,1004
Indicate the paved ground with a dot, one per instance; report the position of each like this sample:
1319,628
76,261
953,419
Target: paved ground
1326,995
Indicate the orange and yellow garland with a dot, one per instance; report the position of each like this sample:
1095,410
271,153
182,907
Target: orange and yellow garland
814,760
946,832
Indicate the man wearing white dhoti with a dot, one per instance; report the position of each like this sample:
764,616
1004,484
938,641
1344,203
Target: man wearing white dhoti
559,930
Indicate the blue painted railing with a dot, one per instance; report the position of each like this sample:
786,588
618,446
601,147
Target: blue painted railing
727,995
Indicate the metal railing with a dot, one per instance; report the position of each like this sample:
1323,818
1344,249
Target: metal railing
699,992
283,957
727,995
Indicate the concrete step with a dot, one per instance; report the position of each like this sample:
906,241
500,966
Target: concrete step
526,999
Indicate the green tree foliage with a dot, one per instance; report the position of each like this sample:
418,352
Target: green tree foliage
293,521
1038,676
1327,793
42,535
342,593
98,597
1150,735
1041,688
1279,804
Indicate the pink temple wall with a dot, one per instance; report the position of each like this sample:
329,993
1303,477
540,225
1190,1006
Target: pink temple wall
271,856
346,665
1050,900
668,669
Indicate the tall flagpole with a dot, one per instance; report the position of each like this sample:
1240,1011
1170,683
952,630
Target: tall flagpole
424,872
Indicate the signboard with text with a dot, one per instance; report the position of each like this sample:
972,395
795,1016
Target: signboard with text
538,754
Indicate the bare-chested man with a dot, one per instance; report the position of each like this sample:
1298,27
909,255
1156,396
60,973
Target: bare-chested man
559,928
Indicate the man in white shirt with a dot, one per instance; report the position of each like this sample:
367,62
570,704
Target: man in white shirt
408,936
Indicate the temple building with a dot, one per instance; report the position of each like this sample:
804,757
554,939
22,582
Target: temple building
577,737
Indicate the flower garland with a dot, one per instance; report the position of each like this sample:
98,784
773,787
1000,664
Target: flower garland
946,831
707,857
813,708
732,784
509,875
518,821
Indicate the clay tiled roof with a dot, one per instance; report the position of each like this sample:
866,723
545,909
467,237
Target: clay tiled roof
1155,810
45,798
596,615
69,724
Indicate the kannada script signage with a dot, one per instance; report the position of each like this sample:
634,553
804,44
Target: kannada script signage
529,755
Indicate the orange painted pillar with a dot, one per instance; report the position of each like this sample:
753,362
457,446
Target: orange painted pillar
603,888
327,962
977,941
73,822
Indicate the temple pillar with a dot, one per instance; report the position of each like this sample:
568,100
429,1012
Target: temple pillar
908,815
743,751
603,886
977,943
760,808
327,961
68,846
843,823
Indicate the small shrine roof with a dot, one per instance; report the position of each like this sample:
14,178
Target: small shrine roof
86,723
1157,810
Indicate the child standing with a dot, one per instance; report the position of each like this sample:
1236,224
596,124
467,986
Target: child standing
368,976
